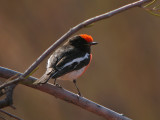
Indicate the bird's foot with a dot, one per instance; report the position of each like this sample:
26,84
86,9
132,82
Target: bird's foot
58,85
79,94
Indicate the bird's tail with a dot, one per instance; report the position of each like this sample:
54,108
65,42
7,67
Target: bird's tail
44,79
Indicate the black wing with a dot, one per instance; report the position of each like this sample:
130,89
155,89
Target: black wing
73,59
64,60
58,55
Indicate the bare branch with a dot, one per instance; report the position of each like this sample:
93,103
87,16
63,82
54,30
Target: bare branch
8,100
8,92
71,32
9,114
67,96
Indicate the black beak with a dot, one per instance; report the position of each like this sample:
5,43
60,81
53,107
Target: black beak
93,43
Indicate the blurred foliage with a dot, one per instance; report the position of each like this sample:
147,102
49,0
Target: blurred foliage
124,74
155,10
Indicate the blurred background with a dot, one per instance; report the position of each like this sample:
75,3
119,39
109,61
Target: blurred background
123,76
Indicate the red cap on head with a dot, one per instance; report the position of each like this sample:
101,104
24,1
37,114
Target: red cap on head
88,38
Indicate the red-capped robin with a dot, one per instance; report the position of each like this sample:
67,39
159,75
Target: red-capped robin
69,61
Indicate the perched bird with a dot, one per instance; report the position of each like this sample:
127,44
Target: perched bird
69,61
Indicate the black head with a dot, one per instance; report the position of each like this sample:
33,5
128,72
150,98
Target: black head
82,40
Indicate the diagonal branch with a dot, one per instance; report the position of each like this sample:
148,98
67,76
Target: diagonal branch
71,32
67,96
11,115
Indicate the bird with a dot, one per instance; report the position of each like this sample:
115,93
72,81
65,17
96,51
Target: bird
69,61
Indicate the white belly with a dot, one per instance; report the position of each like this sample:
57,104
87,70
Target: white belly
72,75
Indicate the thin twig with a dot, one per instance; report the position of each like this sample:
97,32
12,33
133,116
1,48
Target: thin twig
11,115
8,100
8,92
5,90
67,96
71,32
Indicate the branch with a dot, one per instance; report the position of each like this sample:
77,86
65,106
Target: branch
71,32
8,100
9,114
67,96
8,92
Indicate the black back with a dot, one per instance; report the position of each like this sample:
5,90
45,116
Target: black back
76,47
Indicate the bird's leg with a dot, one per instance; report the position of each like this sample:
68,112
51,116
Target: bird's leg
75,83
54,81
56,84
